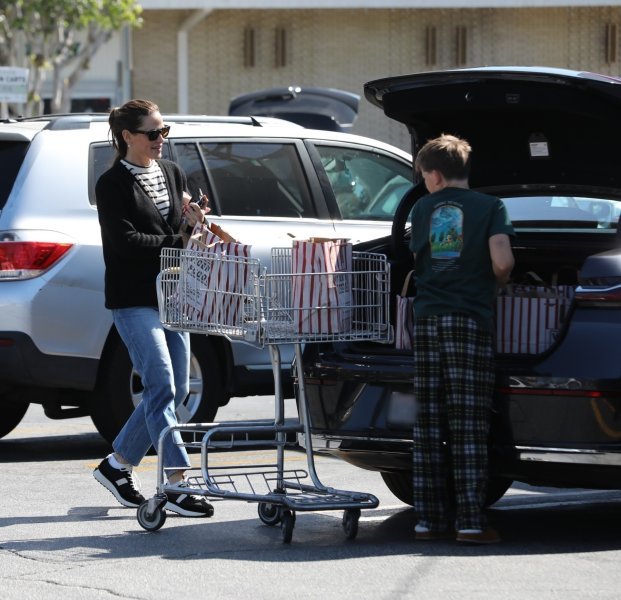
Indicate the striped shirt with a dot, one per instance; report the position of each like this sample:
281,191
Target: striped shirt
152,181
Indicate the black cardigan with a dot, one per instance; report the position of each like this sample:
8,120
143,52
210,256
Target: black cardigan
133,233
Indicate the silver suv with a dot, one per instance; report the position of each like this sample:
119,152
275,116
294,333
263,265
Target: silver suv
267,180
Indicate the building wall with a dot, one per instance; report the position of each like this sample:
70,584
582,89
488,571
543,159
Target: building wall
346,48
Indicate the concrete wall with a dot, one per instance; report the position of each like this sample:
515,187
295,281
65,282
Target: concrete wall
346,48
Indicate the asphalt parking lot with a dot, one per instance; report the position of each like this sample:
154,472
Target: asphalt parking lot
63,536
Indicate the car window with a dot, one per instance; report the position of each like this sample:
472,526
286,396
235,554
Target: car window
187,155
11,157
571,212
257,179
101,158
367,185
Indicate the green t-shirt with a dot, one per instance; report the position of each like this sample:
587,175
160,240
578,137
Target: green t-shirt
450,237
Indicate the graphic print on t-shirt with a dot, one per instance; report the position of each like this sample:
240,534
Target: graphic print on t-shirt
446,236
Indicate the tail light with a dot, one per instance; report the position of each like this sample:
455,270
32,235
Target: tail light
600,280
609,295
578,393
25,260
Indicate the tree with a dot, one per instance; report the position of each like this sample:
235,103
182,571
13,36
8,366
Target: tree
61,36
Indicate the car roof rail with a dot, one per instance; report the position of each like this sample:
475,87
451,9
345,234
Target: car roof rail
83,120
213,119
62,121
74,121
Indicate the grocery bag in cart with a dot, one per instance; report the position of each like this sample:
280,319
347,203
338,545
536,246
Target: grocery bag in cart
215,277
321,288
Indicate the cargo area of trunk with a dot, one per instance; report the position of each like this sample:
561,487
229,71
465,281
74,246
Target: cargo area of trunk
536,305
534,308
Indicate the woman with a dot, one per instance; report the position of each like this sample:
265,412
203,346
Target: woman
143,208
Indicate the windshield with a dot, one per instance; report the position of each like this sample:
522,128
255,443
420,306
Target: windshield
565,212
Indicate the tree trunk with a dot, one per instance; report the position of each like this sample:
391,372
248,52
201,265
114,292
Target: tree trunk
65,97
63,86
57,89
34,105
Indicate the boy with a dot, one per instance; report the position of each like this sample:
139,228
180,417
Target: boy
462,251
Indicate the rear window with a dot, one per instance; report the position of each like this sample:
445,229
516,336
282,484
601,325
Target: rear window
100,160
563,212
12,155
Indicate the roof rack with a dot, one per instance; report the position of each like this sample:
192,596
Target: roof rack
255,122
83,120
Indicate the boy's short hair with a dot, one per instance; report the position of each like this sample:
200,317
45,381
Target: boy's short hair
447,154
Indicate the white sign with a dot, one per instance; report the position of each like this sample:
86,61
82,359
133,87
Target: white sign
13,84
539,149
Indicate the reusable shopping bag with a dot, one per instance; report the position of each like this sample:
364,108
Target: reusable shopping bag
215,277
321,286
529,317
404,317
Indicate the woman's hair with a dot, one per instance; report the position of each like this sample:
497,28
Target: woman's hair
129,116
448,154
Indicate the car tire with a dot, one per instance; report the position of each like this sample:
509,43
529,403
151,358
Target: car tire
119,389
401,485
13,411
496,489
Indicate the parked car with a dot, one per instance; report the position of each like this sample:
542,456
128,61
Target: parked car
317,108
267,180
546,142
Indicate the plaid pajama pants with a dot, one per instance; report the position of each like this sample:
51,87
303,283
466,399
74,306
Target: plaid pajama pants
453,385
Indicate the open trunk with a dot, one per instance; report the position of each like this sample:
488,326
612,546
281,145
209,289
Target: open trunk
544,140
533,310
535,307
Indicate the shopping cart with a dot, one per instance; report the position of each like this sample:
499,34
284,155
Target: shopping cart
238,298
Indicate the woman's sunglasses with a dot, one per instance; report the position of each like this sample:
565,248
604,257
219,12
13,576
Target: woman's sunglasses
153,134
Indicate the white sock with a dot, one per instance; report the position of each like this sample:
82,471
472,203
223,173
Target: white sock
115,464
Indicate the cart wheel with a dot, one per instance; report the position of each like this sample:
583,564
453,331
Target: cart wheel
270,514
150,522
350,522
286,525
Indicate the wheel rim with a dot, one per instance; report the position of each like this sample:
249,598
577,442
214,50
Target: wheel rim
187,409
270,514
153,522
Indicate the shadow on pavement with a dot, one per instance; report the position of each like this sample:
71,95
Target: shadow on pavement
81,446
52,448
595,527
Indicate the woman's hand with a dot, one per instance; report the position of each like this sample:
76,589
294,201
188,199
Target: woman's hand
194,212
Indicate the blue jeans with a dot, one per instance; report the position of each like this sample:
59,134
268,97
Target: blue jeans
162,358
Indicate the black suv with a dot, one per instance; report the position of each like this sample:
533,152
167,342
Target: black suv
547,142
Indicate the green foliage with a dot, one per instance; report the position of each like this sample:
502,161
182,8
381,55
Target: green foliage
48,27
48,16
62,35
